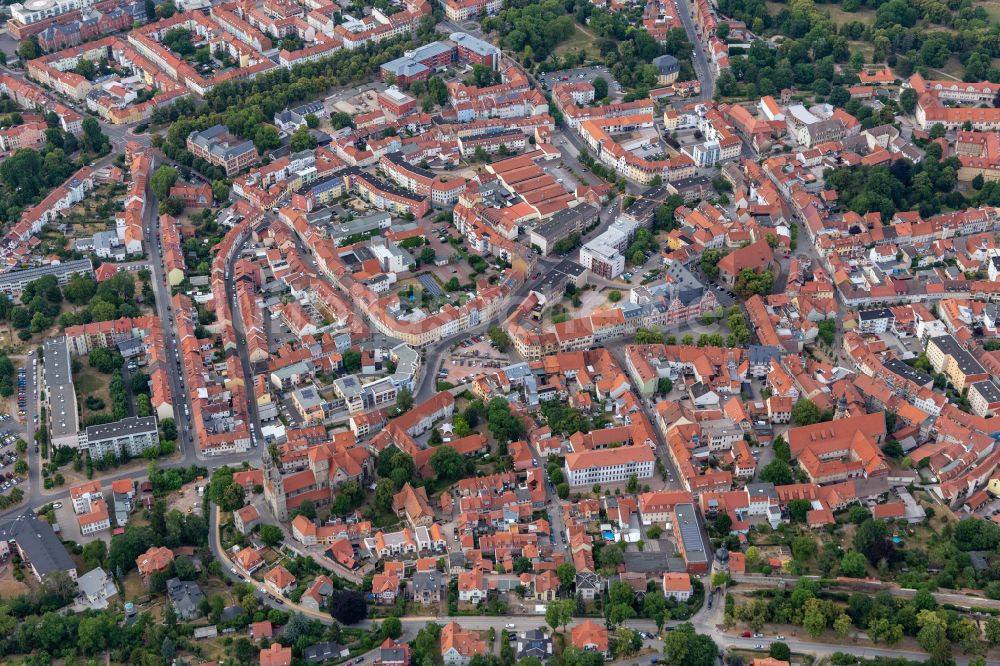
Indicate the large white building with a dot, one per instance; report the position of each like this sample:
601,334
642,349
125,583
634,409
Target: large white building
610,465
604,254
130,437
34,11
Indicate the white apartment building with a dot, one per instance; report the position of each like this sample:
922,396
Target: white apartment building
609,465
130,437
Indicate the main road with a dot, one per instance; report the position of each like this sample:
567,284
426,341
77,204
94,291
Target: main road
702,67
168,326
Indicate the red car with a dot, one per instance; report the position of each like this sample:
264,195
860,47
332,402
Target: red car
746,634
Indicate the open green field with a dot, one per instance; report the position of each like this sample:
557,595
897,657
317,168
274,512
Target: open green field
581,39
837,15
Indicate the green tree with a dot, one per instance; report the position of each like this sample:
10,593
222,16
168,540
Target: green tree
852,564
499,338
600,87
993,631
162,180
447,464
842,626
168,429
266,138
777,472
781,449
93,137
404,400
885,631
302,139
799,510
94,553
933,635
391,627
870,539
80,289
780,651
384,492
504,426
567,575
105,360
685,647
29,49
559,613
805,412
813,619
232,498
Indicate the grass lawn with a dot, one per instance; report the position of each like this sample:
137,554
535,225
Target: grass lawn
837,14
135,589
840,17
10,587
581,39
952,69
89,382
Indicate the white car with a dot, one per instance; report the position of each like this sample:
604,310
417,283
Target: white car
509,625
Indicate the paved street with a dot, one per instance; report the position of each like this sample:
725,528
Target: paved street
702,68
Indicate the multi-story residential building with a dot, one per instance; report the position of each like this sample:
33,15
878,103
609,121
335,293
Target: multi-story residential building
384,195
658,507
37,545
463,10
609,466
96,519
441,190
984,398
13,283
475,50
875,321
947,356
458,646
217,146
983,92
84,494
562,225
57,373
128,438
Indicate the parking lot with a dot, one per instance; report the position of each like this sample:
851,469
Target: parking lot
22,391
580,74
8,458
470,358
562,176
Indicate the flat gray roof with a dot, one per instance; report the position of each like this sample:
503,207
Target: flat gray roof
130,425
66,268
38,541
688,533
58,375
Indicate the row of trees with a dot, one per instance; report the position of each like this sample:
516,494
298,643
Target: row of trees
246,107
884,618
